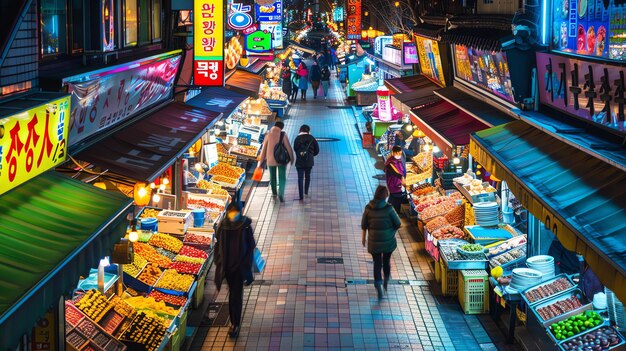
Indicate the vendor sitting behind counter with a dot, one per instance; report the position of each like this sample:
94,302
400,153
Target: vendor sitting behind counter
411,149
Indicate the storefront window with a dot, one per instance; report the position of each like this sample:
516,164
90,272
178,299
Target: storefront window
78,27
53,27
590,28
144,21
130,19
156,19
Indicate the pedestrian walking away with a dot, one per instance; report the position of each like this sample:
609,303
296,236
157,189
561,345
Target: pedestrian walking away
303,83
379,224
233,260
306,148
295,81
315,76
286,79
325,81
394,175
276,141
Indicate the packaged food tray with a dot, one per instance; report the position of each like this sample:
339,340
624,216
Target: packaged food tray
544,283
464,264
558,297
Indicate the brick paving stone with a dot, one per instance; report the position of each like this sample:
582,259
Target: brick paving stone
305,305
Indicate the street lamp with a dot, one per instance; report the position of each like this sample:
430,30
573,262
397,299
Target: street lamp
367,13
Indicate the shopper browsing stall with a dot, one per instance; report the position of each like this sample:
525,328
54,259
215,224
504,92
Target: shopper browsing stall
379,224
394,175
306,148
303,81
233,260
277,151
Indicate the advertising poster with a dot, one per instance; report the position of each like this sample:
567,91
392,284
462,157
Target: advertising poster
233,52
208,42
409,54
429,59
239,15
380,42
102,100
32,142
258,41
108,26
587,90
276,29
485,69
353,29
338,14
268,12
589,27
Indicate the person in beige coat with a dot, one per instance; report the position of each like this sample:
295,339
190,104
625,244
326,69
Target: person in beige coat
272,138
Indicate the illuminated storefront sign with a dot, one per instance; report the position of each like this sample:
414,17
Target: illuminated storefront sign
239,16
276,30
338,14
269,13
208,46
380,42
430,60
409,56
33,141
108,26
354,19
591,91
489,70
259,41
105,98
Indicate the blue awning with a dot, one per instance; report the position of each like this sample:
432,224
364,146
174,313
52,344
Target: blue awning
218,100
582,199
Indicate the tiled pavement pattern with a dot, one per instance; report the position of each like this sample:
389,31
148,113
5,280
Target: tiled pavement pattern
300,304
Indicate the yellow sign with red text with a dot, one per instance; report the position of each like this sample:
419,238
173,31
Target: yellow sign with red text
208,42
33,141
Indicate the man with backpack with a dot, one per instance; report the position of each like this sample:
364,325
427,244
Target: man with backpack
325,81
306,148
277,151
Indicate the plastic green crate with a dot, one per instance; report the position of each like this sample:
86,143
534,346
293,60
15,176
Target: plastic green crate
449,280
474,291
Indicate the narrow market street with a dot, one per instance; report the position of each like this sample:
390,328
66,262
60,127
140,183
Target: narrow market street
301,302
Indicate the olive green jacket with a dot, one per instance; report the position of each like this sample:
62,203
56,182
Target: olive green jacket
381,221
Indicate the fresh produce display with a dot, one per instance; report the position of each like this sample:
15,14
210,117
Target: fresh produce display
136,267
72,315
452,254
439,209
150,303
211,187
87,328
110,322
94,305
198,239
146,330
101,340
549,289
171,299
559,307
168,254
193,252
601,339
221,149
187,259
227,170
227,180
150,274
149,213
172,280
122,308
449,232
246,150
269,93
472,248
575,325
151,255
166,242
507,257
476,187
436,223
423,190
456,215
75,339
186,267
430,202
507,245
210,204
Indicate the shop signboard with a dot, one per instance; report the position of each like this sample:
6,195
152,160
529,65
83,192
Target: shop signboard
591,91
429,59
239,16
380,42
589,27
392,55
354,20
32,142
488,70
409,54
105,98
208,42
258,41
276,30
383,99
108,26
338,14
271,12
44,336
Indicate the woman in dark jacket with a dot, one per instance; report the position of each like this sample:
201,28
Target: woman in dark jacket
306,148
286,78
233,260
315,76
381,222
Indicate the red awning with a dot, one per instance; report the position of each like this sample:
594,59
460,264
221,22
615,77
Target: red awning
446,124
145,149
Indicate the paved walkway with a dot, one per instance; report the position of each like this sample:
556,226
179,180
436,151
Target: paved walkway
300,303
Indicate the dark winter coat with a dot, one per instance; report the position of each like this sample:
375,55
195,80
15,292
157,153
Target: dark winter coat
315,73
300,144
381,222
325,74
286,76
234,250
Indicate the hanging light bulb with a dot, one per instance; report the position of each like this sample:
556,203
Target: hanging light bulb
152,185
436,149
162,187
456,160
156,198
426,147
133,235
166,181
198,167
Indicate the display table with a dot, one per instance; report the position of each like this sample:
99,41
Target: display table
500,299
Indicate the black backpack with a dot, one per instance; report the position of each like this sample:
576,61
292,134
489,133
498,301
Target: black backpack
304,152
281,155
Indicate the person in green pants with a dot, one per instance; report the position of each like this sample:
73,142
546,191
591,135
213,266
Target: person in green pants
273,137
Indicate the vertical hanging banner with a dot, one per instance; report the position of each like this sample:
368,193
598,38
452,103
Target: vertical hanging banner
354,20
108,26
208,42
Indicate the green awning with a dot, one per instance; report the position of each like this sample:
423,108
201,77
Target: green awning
582,199
53,229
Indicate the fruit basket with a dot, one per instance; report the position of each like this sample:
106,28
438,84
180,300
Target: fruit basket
545,290
174,283
453,259
575,325
610,340
563,305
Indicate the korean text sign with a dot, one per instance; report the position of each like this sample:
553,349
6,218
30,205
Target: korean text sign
33,141
269,13
592,91
429,59
354,19
208,42
104,100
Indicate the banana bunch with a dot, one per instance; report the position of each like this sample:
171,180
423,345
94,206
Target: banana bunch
94,305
